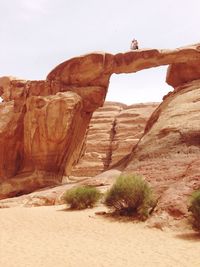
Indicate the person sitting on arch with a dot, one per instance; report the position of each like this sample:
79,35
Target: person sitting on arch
134,44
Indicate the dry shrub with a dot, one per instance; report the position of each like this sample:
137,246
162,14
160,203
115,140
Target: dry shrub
82,197
130,195
194,207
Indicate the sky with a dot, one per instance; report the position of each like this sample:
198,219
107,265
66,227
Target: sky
37,35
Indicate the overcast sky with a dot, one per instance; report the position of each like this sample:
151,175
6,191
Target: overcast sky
37,35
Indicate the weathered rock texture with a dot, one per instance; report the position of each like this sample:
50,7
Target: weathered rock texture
113,132
43,123
168,155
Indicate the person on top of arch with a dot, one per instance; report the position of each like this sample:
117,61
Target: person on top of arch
134,44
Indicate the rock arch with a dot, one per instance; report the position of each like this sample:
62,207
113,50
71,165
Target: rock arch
43,123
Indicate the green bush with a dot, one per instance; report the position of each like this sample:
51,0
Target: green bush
130,195
82,197
194,207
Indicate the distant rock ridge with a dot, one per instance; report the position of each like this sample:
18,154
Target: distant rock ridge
113,132
43,123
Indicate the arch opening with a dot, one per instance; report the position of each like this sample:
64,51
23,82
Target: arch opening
143,86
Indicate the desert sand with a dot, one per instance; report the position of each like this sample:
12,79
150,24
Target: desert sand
51,236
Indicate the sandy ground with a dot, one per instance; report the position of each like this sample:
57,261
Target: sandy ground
50,236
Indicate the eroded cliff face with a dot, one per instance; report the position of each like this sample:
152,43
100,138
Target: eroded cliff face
113,132
43,123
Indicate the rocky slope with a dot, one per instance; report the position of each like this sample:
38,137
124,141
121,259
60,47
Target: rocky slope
168,155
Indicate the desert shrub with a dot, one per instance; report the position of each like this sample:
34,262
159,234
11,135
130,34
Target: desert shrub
194,207
82,197
130,195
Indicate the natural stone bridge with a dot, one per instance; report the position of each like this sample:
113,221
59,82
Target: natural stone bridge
43,123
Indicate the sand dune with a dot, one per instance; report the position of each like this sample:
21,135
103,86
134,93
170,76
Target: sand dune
49,236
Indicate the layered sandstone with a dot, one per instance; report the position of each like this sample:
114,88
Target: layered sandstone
34,154
113,132
96,155
129,128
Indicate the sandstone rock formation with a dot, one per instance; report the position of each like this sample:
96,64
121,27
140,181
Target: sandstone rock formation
43,123
42,129
113,132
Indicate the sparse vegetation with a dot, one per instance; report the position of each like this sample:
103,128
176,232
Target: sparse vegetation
130,195
194,207
82,197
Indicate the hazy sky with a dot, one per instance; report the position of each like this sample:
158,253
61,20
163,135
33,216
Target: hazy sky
37,35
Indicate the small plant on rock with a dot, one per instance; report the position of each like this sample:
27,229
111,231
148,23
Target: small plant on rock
82,197
130,195
194,207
